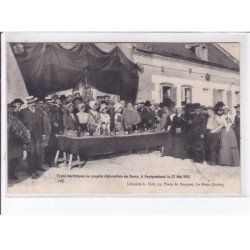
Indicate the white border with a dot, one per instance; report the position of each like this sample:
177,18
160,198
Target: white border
128,205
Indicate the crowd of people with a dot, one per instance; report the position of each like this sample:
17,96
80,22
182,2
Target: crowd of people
200,133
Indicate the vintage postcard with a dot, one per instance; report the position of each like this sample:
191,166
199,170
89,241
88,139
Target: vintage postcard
104,115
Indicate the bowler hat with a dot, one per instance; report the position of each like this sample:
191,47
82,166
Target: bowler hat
147,103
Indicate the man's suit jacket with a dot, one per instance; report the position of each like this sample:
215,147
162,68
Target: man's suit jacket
33,122
57,117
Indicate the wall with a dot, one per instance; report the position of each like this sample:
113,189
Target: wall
15,84
159,70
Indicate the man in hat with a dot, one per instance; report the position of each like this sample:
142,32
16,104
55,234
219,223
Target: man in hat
63,100
106,99
32,118
196,131
18,142
166,100
57,114
76,94
147,116
212,137
49,101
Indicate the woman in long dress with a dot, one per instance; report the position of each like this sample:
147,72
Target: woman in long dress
229,154
176,141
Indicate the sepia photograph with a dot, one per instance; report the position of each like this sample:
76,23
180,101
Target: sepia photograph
123,118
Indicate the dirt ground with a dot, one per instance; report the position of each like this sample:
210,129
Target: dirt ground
138,174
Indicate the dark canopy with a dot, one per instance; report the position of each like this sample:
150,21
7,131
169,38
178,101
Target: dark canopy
48,67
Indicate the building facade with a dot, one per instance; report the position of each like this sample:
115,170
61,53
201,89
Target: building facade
194,73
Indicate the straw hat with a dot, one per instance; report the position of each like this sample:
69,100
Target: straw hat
48,99
31,99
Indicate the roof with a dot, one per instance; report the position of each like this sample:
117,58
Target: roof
216,55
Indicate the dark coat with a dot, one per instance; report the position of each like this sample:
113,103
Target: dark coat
111,113
237,130
176,141
34,122
69,122
167,102
147,117
18,138
57,119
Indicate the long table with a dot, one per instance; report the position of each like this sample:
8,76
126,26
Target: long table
99,145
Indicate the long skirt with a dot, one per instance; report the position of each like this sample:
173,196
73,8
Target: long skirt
175,146
229,154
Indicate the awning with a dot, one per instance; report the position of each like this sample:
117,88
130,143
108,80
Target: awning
49,67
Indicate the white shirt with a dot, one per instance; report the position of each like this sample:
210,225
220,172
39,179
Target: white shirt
83,117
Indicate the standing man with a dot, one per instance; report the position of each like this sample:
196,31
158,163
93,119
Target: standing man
212,137
166,100
57,115
32,118
56,112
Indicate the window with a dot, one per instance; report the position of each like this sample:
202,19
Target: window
217,95
200,50
186,94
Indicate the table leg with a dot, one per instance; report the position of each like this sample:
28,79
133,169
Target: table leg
146,150
64,157
56,157
70,160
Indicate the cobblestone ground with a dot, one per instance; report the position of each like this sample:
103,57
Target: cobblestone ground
132,174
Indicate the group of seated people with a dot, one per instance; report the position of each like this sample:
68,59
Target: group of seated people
194,131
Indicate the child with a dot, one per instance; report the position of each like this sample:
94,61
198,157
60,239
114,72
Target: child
118,108
94,119
105,119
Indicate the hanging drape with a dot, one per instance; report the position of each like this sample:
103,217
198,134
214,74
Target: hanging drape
49,67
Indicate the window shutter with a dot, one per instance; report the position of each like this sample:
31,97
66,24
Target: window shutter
229,99
215,98
173,94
